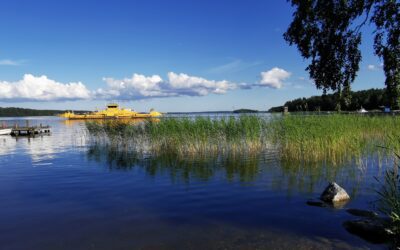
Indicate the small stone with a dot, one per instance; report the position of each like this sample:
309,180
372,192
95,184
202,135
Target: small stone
334,193
362,213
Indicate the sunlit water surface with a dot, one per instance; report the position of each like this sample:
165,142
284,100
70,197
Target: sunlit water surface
61,192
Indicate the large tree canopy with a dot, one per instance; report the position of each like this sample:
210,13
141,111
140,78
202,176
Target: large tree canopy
387,45
326,32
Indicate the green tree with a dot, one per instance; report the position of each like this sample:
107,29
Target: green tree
387,45
325,31
322,31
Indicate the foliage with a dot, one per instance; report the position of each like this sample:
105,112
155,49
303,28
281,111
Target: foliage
321,30
325,31
371,99
387,45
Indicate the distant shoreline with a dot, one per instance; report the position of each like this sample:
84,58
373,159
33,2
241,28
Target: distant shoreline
21,112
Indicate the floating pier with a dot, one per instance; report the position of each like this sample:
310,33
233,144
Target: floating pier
29,130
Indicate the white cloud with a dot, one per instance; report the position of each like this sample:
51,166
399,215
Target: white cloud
41,88
143,87
7,62
274,78
193,85
140,86
32,88
226,67
234,66
373,67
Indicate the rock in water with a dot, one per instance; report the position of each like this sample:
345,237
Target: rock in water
362,213
334,193
371,230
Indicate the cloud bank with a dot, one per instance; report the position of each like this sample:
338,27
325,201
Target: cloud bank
32,88
141,87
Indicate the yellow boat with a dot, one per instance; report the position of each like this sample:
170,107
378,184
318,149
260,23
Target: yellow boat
112,111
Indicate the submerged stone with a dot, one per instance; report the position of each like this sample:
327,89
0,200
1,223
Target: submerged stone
334,193
370,230
362,213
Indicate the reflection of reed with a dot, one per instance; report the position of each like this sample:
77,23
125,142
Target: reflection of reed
204,167
278,174
309,150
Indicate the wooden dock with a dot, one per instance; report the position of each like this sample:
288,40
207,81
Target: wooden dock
29,130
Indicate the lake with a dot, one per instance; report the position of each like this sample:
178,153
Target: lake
61,191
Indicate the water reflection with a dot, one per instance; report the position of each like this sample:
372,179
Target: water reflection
126,200
266,167
45,146
243,168
79,122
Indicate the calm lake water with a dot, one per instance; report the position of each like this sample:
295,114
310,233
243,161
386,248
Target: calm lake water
62,192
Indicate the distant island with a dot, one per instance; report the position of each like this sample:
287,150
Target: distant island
12,112
371,99
238,111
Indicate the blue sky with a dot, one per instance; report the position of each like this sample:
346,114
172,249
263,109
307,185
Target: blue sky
187,56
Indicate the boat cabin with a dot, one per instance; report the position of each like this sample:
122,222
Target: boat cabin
112,106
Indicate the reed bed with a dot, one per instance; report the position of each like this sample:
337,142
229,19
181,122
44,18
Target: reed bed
184,136
334,138
306,139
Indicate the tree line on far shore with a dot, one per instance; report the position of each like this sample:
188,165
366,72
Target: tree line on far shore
371,99
17,112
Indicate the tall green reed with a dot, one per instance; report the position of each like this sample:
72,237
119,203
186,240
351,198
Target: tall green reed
389,200
188,135
333,138
308,139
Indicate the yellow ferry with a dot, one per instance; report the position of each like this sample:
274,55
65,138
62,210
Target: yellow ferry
112,111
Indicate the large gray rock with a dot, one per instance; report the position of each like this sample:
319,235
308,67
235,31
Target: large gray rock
334,193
